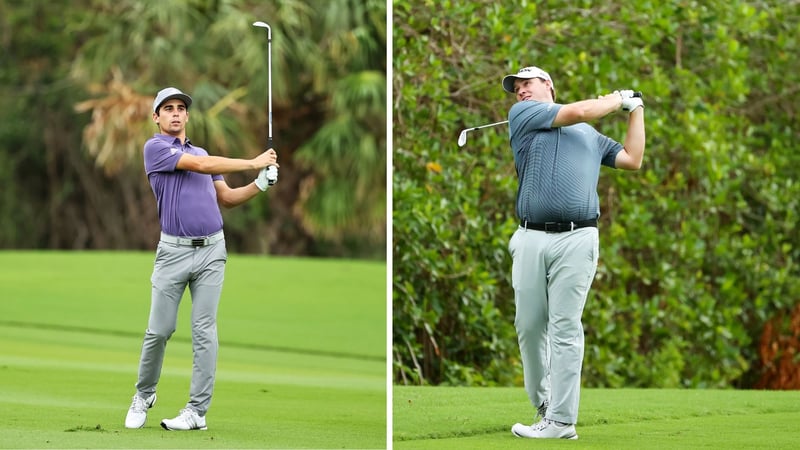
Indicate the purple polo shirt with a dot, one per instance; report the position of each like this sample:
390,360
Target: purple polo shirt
187,201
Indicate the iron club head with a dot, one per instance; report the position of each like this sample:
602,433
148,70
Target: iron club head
264,25
462,138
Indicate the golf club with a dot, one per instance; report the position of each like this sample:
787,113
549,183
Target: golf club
269,82
462,138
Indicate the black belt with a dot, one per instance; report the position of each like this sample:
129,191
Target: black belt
558,227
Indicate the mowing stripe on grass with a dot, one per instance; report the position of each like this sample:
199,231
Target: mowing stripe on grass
321,305
102,332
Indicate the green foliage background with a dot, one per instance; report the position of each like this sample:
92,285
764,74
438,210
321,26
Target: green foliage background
698,249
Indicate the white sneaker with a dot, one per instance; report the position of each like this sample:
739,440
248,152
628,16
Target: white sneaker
545,429
186,420
137,414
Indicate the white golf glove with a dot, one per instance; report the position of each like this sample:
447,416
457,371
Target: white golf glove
629,102
272,175
267,177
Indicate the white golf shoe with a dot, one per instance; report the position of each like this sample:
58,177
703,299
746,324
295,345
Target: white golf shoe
188,419
137,414
545,429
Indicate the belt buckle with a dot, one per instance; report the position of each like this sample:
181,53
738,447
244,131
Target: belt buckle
201,242
551,226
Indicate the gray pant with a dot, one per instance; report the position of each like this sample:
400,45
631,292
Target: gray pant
203,270
551,275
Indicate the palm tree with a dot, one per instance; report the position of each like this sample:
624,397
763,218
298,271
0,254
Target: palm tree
348,154
329,105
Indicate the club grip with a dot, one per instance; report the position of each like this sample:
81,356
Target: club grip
637,93
269,146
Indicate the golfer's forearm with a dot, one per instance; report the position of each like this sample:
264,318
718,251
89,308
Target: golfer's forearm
235,197
585,111
635,137
633,153
214,165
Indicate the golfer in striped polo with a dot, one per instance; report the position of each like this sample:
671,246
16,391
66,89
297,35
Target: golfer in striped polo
555,249
189,187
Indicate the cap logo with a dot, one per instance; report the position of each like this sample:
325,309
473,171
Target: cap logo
535,71
527,73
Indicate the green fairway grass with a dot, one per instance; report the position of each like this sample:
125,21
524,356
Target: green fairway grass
481,418
301,364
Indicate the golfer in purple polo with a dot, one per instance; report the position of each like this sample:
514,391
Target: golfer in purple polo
189,187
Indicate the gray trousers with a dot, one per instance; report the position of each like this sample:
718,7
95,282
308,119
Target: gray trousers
551,275
203,270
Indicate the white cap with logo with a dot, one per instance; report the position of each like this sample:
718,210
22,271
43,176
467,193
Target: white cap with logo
527,73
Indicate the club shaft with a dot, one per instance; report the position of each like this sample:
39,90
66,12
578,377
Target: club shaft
487,126
269,83
269,78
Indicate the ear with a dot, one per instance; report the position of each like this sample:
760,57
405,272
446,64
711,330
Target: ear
155,117
552,91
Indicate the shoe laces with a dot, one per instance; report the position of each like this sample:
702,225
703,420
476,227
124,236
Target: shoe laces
139,405
540,425
188,415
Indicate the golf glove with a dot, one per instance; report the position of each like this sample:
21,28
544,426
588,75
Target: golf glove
629,104
272,175
267,177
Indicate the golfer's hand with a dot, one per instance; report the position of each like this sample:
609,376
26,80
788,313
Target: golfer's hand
271,174
631,103
266,178
268,158
261,180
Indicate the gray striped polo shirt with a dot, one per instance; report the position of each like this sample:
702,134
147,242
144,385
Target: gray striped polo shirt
557,168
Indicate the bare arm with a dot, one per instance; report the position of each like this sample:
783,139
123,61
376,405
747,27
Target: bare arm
229,197
630,158
213,165
587,110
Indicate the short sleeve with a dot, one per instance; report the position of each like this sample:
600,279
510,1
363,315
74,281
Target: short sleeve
159,156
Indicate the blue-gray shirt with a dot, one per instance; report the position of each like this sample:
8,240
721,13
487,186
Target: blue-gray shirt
557,168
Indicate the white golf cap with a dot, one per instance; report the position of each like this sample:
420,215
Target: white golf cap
168,94
527,73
